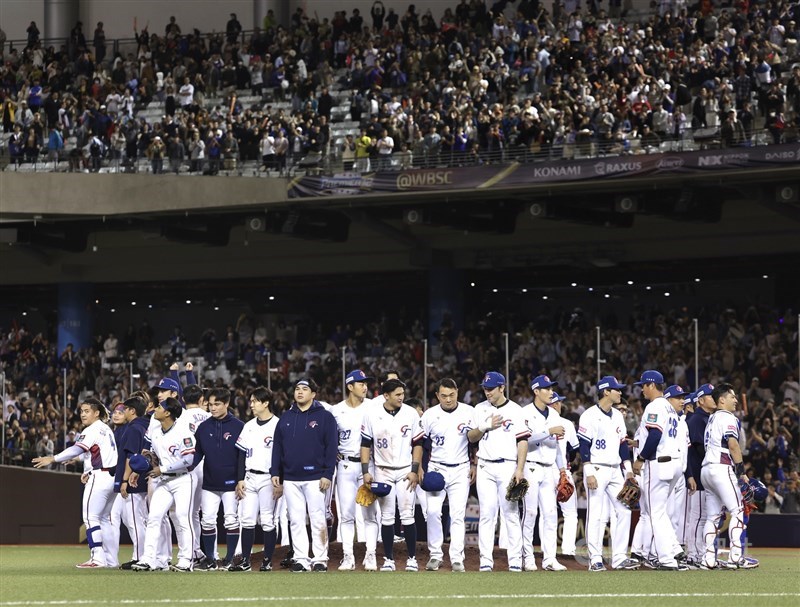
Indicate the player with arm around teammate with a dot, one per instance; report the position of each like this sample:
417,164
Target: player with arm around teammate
723,469
96,439
542,459
393,432
447,425
502,438
349,416
659,455
604,451
173,445
254,487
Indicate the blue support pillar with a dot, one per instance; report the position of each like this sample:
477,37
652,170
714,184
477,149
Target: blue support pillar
445,300
75,320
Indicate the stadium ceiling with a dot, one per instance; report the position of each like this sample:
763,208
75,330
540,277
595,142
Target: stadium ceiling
560,228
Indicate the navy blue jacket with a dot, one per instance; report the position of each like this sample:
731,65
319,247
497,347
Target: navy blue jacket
305,444
119,440
216,446
697,451
132,444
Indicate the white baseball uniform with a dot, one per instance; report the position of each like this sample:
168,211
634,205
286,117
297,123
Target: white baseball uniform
193,417
392,437
348,473
97,441
175,451
569,509
605,432
258,504
447,431
543,457
722,486
676,505
497,463
659,476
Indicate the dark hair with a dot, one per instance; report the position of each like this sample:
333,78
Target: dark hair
173,407
389,372
145,396
390,385
415,402
221,394
192,394
312,385
719,390
137,404
262,394
447,382
98,406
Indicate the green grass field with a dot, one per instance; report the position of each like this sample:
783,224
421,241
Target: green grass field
47,576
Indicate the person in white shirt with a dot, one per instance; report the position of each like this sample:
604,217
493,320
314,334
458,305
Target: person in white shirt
349,416
502,437
604,451
447,426
254,487
394,434
186,93
97,441
569,446
660,457
543,456
723,470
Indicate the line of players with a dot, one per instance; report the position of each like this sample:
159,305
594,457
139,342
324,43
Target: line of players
381,440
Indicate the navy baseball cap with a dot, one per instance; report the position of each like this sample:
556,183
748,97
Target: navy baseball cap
380,489
674,391
492,379
432,481
705,390
139,463
557,398
650,377
356,375
542,381
690,398
609,382
168,383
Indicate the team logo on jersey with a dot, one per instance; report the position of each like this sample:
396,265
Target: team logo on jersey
405,430
463,428
174,449
507,423
192,427
652,417
267,441
313,423
81,438
226,436
187,442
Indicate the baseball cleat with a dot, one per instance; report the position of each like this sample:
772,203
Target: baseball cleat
411,564
514,568
91,565
747,562
127,566
180,569
529,565
242,565
225,565
348,563
597,567
638,557
554,566
206,565
266,565
458,567
388,565
433,565
705,566
629,564
319,568
288,560
370,562
299,568
652,563
142,566
676,567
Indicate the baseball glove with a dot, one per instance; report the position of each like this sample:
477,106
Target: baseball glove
365,497
151,457
630,492
564,490
516,491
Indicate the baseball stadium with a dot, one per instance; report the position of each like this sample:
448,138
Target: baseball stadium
466,301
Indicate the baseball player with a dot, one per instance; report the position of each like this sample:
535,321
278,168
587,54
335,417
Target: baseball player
446,425
605,453
96,439
303,463
676,504
349,416
111,532
696,500
174,448
722,470
133,499
660,457
502,436
194,415
569,446
216,448
543,457
254,487
392,432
